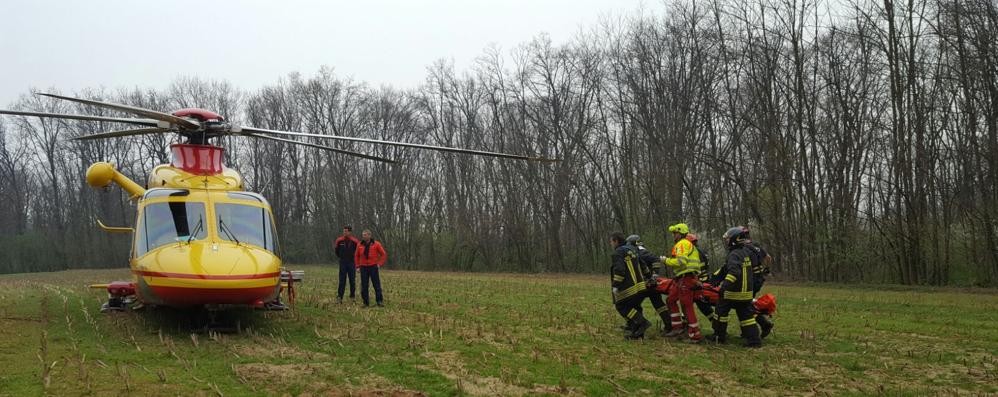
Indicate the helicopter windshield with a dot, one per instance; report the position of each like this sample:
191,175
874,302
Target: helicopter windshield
245,224
165,223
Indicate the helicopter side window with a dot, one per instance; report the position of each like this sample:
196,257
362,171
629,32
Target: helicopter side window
245,224
246,196
166,223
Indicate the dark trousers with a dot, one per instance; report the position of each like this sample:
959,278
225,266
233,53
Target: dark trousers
347,272
707,309
657,303
369,274
746,319
630,310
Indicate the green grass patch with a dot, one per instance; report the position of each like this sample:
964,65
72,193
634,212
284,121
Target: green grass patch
487,334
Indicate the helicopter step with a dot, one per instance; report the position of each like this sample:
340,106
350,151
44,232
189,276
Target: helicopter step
289,279
120,295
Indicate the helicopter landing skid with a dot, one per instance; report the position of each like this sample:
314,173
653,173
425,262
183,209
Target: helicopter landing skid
120,304
275,304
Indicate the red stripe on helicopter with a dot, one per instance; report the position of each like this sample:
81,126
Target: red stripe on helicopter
180,296
207,276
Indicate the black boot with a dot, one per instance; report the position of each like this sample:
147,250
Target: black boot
765,324
750,334
640,326
720,332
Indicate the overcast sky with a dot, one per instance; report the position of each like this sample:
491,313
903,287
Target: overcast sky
73,44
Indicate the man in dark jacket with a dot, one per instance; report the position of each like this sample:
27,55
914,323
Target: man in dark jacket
345,247
651,267
735,289
627,282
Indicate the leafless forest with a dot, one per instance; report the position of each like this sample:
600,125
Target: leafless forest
858,140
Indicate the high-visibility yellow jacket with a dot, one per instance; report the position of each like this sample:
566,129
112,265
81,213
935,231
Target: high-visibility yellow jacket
685,258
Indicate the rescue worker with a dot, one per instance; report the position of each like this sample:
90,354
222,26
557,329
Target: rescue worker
627,283
760,268
370,257
735,289
761,259
345,247
651,266
686,265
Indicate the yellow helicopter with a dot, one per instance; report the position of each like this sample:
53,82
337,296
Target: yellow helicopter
201,239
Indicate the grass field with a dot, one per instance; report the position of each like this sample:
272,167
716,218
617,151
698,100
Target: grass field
487,334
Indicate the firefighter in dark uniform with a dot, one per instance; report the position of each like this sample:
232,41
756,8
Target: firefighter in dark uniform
735,289
760,270
628,286
651,267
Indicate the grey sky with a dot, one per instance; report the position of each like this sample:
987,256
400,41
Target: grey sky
73,44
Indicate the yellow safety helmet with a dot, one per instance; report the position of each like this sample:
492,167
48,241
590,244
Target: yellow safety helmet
680,228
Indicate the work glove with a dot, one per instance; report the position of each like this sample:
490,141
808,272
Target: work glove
696,287
651,283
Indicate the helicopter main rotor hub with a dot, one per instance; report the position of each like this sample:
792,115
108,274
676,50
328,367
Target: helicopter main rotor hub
197,159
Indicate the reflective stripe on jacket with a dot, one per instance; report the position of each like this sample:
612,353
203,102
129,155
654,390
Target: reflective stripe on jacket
626,275
685,258
737,271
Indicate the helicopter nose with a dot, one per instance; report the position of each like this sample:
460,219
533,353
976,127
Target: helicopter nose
199,274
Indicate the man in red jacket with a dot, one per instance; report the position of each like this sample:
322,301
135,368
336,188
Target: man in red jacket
370,256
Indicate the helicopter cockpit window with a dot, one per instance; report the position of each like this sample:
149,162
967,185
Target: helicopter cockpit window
245,224
166,223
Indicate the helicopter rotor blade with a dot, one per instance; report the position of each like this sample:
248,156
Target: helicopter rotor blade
115,134
165,117
145,122
332,149
394,143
